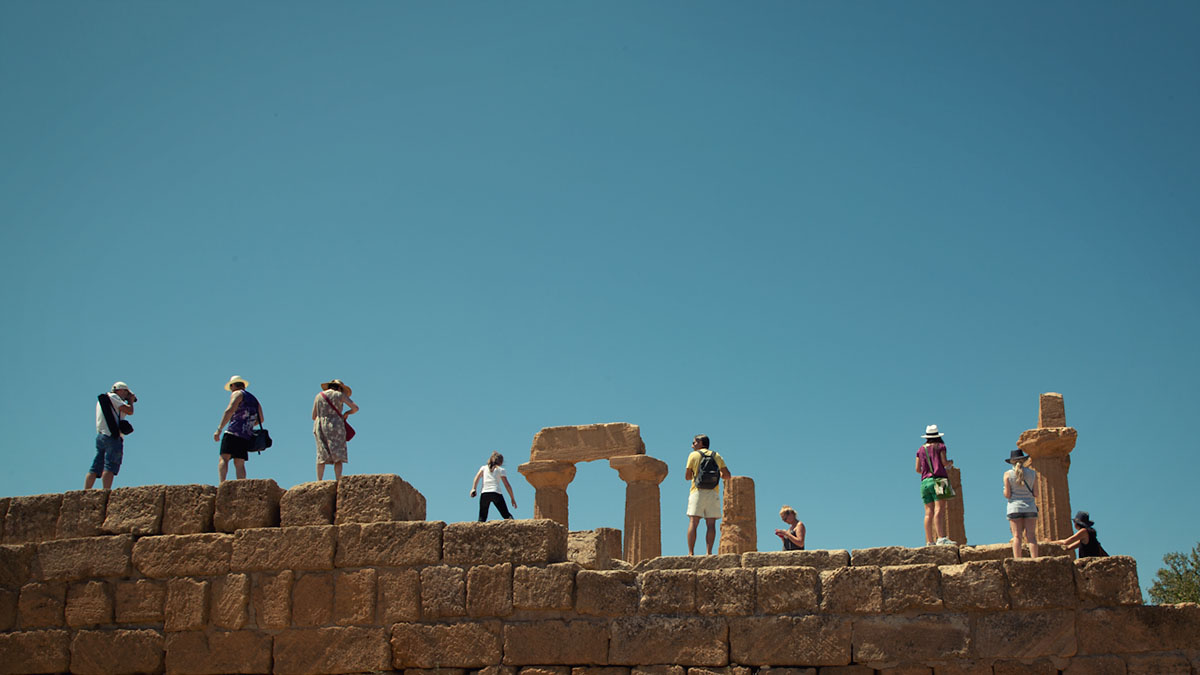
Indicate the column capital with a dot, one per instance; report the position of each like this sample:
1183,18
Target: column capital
548,473
1044,443
639,468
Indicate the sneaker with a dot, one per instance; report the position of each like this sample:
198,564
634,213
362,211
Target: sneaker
944,541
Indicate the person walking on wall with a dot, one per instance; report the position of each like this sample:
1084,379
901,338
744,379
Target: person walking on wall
111,410
705,468
1084,538
493,474
1020,489
243,412
329,426
935,488
793,536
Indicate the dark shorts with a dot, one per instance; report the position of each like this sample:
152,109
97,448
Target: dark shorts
1022,516
236,446
109,452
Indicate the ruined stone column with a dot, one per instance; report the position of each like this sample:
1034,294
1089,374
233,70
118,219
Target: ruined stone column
550,479
953,515
1050,446
643,510
738,522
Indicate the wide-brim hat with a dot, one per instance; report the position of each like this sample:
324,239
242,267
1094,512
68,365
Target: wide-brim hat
931,431
236,378
1082,519
345,388
118,386
1016,456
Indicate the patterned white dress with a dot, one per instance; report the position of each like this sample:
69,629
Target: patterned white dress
330,429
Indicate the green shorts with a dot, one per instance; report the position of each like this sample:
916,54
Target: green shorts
928,496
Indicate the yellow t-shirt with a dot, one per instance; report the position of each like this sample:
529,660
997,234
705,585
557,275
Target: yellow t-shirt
693,464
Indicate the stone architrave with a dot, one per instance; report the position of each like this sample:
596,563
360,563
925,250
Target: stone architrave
587,442
738,526
953,515
643,513
1050,447
549,479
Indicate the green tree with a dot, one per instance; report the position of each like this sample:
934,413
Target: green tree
1179,581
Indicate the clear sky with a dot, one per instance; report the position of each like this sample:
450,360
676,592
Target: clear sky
807,229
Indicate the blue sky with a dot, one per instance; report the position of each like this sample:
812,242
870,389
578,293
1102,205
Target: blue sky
805,229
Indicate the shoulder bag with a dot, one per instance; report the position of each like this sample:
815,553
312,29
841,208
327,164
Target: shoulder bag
111,417
941,486
349,429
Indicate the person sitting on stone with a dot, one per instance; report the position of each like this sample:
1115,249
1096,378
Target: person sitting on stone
793,536
1084,538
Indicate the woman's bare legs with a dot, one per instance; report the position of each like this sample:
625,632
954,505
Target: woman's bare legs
939,518
1017,527
929,508
1031,535
320,471
337,471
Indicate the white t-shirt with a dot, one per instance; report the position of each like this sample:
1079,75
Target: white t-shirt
491,479
101,423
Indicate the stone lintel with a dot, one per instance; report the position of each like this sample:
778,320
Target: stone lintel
588,442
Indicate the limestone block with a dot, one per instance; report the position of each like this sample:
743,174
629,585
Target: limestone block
247,503
669,592
399,596
389,544
545,670
90,557
490,590
787,671
186,607
532,642
8,609
1002,551
691,562
272,549
1051,411
140,601
271,596
599,670
82,514
16,565
1133,630
1162,663
921,637
443,592
1041,443
521,542
89,603
661,670
183,555
822,560
787,590
594,549
963,668
911,588
308,504
32,519
848,670
218,653
475,644
1095,665
727,592
95,652
41,605
456,671
812,640
974,585
607,592
855,590
322,651
189,509
312,600
230,601
354,597
681,641
134,510
908,670
490,670
587,442
1023,635
544,588
1040,583
375,498
739,529
902,555
1107,581
37,651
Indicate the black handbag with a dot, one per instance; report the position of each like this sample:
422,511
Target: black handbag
261,440
110,416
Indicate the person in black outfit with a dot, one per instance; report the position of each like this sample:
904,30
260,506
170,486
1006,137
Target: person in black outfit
1084,538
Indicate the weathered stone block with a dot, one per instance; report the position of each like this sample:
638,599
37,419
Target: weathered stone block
218,653
230,601
1040,583
273,549
312,600
924,637
600,670
321,651
821,560
389,544
1095,665
606,593
787,671
89,603
911,587
87,558
553,641
974,585
907,670
661,670
399,595
189,509
271,595
474,644
140,601
813,640
544,670
443,592
855,590
1023,635
685,641
588,442
690,562
354,597
521,542
134,510
1025,667
186,555
725,592
669,592
1001,551
1162,663
41,605
1133,630
186,606
37,651
490,590
787,590
95,652
32,519
459,671
1107,581
16,565
82,514
308,504
544,588
963,668
596,549
902,555
8,609
247,503
376,498
1052,413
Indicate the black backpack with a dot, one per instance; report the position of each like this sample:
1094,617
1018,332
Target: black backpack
709,473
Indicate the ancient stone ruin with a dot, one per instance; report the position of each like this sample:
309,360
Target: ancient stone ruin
1050,446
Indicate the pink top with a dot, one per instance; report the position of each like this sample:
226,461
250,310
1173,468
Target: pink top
935,451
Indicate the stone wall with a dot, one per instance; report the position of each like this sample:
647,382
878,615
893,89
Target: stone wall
349,579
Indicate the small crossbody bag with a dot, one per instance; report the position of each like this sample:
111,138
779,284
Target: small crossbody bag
349,429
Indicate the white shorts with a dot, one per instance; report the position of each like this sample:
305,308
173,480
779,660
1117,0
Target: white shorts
705,503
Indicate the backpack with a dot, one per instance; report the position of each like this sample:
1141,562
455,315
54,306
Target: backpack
709,473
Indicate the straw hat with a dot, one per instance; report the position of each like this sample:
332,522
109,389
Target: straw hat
236,378
346,389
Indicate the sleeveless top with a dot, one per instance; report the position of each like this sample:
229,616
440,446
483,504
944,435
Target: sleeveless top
931,454
1021,500
788,545
1092,549
244,418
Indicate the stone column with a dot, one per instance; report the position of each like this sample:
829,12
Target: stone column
739,526
643,509
953,515
550,479
1050,447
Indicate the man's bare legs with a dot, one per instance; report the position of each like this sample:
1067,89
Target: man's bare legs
710,535
89,481
239,467
693,523
106,480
